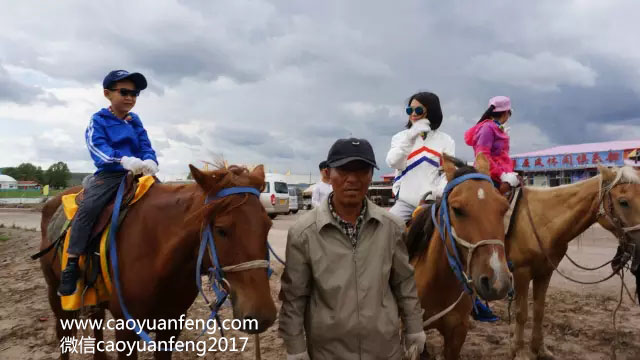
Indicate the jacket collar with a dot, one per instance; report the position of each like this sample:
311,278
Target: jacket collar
107,114
324,216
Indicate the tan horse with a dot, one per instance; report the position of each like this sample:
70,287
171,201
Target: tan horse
158,247
560,214
476,210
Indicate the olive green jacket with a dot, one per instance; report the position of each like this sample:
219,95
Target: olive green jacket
350,303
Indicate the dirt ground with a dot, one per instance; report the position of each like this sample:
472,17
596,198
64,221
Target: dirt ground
578,323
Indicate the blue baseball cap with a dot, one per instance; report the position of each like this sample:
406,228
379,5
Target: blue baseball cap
116,75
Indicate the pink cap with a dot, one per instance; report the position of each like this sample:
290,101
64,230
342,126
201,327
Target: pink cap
500,103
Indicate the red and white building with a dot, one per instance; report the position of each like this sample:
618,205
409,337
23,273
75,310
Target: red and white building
571,163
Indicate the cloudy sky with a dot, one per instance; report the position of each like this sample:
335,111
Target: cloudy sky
276,82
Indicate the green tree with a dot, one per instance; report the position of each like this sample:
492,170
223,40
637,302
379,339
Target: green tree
25,171
58,174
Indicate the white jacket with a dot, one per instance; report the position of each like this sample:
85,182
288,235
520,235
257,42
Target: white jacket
321,191
417,164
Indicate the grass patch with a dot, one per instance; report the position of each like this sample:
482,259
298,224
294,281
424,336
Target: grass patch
3,237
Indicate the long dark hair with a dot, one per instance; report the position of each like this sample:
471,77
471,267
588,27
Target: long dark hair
490,114
432,103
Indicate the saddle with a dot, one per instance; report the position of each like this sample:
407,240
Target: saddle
62,217
96,281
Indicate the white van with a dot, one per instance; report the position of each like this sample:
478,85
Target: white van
275,197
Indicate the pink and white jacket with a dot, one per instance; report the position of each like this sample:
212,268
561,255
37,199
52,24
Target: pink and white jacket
488,138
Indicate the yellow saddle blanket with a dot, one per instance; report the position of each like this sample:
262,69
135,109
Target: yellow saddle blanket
101,289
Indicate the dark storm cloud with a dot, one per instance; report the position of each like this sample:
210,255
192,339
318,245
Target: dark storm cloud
299,75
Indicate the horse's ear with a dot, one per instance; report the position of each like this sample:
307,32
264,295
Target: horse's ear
482,164
205,181
608,175
258,171
448,166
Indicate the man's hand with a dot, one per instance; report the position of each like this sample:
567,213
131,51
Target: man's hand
416,341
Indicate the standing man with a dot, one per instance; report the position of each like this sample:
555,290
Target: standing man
321,189
348,287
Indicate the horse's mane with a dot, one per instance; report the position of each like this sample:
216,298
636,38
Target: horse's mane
234,175
626,174
422,227
226,176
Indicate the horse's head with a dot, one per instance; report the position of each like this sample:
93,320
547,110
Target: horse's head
240,226
476,212
620,201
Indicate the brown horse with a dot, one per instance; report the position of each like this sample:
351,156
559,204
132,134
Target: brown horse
560,214
476,210
158,245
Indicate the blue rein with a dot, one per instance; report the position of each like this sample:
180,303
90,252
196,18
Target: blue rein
444,227
207,242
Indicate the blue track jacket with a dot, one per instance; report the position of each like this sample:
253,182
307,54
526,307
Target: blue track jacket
109,139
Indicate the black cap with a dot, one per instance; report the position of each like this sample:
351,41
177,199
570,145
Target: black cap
323,165
346,150
116,75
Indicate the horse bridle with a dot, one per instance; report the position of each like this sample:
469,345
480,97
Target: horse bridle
604,193
447,231
217,272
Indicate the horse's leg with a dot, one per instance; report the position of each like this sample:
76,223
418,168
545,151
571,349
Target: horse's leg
130,338
98,334
454,337
522,278
540,286
164,337
61,315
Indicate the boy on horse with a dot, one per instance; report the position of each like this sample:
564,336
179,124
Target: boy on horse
117,143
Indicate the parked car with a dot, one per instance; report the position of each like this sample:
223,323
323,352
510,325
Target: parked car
295,199
275,197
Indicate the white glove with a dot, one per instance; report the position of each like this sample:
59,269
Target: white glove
133,164
150,167
417,340
301,356
420,126
510,178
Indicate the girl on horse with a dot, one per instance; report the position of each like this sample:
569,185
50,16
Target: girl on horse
416,155
489,137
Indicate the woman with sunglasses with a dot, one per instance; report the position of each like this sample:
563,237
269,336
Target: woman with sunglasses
117,143
489,137
416,154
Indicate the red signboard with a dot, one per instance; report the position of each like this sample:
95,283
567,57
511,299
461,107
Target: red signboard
582,159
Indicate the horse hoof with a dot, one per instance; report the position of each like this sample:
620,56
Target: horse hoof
522,354
544,354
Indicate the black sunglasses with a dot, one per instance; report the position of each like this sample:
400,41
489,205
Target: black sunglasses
418,109
127,92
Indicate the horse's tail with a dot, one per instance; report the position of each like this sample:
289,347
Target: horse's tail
420,232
